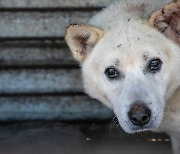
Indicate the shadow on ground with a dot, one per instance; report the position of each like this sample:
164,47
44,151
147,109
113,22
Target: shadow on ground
58,138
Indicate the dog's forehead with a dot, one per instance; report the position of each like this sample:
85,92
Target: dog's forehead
132,36
132,44
121,49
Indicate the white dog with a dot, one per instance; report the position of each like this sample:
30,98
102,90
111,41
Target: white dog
130,57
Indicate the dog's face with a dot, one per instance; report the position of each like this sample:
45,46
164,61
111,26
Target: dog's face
131,75
129,71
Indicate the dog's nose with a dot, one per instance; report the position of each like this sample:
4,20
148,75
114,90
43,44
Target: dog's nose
139,114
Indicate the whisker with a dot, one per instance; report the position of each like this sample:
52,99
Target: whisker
113,122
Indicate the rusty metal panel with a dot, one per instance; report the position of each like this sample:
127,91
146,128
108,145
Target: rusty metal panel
51,3
52,108
39,24
36,56
40,81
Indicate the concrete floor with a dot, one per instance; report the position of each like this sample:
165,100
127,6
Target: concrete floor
58,138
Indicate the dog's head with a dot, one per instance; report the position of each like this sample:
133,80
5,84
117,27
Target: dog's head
131,69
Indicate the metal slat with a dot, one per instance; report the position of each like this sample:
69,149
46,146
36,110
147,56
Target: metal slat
51,3
40,81
37,24
52,108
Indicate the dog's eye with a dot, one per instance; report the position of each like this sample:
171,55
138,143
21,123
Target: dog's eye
155,65
112,73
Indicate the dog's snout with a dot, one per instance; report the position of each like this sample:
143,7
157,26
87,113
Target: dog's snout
139,114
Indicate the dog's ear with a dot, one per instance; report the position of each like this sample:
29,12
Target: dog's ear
167,21
81,39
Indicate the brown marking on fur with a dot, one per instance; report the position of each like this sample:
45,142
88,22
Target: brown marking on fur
167,53
173,107
137,8
81,41
167,21
130,63
95,67
106,98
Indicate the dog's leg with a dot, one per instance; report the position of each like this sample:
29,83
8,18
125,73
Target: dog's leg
175,139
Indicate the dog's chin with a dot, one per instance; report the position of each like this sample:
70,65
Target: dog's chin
137,130
131,129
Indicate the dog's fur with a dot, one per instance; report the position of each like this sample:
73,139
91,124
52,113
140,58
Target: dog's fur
127,35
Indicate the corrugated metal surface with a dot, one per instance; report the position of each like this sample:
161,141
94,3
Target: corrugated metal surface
39,79
51,3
